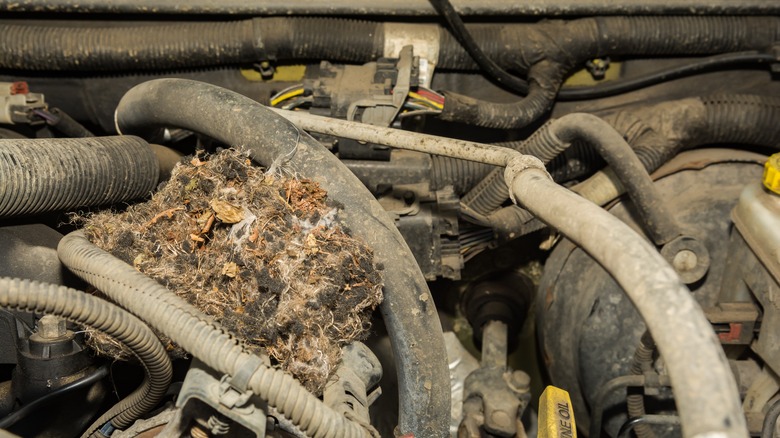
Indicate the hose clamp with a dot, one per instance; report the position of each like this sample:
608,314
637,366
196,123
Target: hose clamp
518,164
240,380
234,391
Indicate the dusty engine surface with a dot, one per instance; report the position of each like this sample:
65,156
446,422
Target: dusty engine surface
417,218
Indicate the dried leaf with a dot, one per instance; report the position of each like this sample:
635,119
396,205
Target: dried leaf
230,269
227,212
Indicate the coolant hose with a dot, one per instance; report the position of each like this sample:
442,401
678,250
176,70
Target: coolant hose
200,336
704,386
55,174
408,309
90,311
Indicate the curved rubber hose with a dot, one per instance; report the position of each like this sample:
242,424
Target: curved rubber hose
545,79
555,137
200,336
50,397
87,310
54,174
579,159
576,160
408,309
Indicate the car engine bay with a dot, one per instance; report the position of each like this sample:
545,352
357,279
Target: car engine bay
417,218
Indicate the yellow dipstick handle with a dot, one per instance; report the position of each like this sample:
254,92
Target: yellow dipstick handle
556,416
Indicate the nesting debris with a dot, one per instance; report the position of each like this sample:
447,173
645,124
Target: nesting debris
261,253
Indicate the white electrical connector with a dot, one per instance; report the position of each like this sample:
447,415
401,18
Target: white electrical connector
16,102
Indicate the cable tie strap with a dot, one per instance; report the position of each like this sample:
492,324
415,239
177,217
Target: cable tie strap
240,380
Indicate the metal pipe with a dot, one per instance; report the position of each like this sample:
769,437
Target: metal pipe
494,345
412,141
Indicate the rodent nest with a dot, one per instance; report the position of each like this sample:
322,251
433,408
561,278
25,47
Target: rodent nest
263,254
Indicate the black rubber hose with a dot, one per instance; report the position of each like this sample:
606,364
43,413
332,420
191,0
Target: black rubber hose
50,397
560,47
578,159
202,337
462,175
620,86
55,174
487,65
408,309
65,124
739,119
656,218
545,79
160,46
87,310
552,139
724,119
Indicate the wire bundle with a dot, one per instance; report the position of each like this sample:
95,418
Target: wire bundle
422,102
294,97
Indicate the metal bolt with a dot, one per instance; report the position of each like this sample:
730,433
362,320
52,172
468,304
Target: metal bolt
521,380
51,327
500,420
685,260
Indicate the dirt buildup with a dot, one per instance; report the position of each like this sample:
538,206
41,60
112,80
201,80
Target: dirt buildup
261,253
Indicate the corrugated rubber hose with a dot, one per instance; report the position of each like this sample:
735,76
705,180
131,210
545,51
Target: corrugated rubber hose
90,311
56,174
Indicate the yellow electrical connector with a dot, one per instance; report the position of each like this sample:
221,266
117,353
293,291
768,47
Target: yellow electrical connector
556,416
772,174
